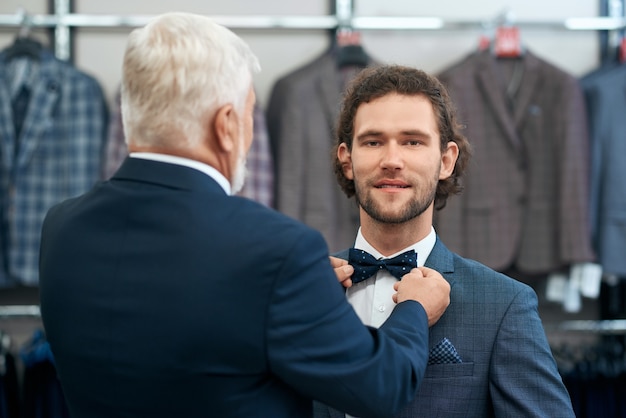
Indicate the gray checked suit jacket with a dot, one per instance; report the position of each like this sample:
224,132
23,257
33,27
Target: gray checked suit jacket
301,117
506,368
525,202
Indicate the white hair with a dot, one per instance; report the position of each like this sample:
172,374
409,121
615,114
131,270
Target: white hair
178,70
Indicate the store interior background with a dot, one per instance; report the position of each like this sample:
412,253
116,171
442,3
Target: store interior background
98,51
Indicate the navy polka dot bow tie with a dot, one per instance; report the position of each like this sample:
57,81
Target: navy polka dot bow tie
365,265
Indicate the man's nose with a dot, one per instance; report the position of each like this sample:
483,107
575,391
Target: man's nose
392,157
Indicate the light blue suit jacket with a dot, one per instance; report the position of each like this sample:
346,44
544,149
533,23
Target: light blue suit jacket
507,368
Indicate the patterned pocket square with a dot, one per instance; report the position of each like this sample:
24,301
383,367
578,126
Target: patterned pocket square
444,353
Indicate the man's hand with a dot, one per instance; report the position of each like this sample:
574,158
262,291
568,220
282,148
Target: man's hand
343,270
427,287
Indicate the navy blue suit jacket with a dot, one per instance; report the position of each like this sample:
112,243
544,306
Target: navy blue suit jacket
506,368
161,296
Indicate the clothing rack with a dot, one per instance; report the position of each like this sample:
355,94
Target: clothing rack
62,20
606,327
19,311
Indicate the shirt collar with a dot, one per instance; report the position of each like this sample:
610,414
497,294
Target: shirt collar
172,159
422,248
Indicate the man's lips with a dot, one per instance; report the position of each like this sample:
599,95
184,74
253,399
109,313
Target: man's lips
387,184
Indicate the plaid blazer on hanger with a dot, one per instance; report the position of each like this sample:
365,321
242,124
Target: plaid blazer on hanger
57,155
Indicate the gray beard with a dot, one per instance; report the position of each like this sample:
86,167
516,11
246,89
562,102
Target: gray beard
239,177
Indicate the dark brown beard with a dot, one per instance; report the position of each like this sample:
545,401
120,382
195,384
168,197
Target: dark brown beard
414,209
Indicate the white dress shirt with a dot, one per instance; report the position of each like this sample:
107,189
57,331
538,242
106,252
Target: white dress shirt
172,159
371,298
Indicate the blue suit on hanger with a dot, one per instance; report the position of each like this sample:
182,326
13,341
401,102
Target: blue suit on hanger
53,124
606,100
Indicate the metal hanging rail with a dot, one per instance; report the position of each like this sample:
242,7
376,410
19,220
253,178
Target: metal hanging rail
436,23
314,22
19,311
63,22
130,21
606,326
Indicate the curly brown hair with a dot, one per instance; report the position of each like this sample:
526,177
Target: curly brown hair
378,81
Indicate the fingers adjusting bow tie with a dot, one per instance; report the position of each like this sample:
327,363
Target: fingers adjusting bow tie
365,265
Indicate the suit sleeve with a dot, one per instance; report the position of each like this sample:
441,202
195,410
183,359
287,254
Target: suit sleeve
318,345
524,379
574,174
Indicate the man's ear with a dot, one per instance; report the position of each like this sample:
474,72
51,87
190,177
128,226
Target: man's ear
225,125
345,158
448,160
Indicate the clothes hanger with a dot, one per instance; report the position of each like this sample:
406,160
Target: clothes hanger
24,45
507,41
350,51
508,51
484,42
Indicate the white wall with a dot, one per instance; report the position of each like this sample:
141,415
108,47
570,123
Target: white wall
576,52
99,50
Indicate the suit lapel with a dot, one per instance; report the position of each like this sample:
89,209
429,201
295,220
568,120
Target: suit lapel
495,96
7,133
38,118
331,83
528,88
442,260
623,85
329,89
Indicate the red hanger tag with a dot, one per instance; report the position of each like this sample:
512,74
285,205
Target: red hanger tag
483,42
622,50
507,42
348,37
